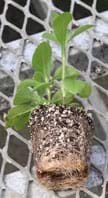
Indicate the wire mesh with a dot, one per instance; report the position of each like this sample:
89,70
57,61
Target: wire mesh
15,60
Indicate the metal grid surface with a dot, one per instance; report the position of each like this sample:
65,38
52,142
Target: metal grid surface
16,57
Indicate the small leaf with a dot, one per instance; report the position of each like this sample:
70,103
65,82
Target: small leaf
19,110
82,29
60,27
27,94
38,77
19,122
24,92
57,98
78,31
70,71
55,15
18,116
50,36
41,60
23,96
86,91
75,86
42,88
27,83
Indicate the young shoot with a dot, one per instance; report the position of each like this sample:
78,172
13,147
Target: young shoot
44,89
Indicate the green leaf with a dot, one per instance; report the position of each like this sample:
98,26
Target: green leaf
24,93
57,98
42,58
42,88
60,27
38,77
78,31
70,71
19,122
55,15
86,91
31,95
19,110
50,36
18,116
23,96
27,83
76,86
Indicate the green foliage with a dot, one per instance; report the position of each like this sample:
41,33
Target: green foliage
57,98
38,77
18,116
78,31
70,71
39,90
60,25
77,87
50,36
55,15
25,92
41,60
86,91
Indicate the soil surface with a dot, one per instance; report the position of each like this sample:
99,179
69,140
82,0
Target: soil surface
61,139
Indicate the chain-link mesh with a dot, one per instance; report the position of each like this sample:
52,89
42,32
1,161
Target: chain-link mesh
21,19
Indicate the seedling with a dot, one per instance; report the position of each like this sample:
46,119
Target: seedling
61,132
32,93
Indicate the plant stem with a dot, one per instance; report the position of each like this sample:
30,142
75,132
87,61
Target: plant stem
49,95
48,91
63,72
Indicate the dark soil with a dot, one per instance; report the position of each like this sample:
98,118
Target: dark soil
61,138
